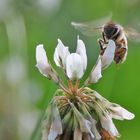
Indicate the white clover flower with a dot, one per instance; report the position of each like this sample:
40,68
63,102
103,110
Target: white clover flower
95,74
105,118
60,54
108,125
120,113
108,55
73,109
43,65
74,66
107,111
75,63
103,62
42,61
81,50
116,111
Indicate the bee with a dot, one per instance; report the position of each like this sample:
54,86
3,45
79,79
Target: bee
116,33
109,30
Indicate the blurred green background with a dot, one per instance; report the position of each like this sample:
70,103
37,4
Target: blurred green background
25,93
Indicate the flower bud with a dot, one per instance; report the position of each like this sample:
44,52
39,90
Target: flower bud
60,54
95,74
81,50
74,66
43,65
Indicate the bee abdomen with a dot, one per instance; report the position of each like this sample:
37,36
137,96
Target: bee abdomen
120,55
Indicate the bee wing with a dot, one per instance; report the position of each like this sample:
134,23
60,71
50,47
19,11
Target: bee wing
132,34
91,28
132,30
85,29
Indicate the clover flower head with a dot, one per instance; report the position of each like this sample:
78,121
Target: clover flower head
79,113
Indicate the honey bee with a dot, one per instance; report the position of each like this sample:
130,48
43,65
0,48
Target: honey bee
115,32
109,30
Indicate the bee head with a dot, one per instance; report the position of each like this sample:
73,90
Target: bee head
110,30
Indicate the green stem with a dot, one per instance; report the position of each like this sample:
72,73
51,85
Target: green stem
36,135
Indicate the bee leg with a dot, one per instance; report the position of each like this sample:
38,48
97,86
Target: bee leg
104,38
101,44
